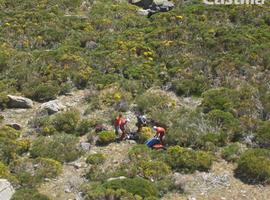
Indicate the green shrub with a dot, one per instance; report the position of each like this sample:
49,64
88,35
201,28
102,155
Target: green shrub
263,134
9,133
232,152
194,86
25,194
84,126
95,191
96,173
111,96
152,170
106,137
145,134
23,145
137,186
41,91
66,121
155,100
182,159
188,128
254,166
61,147
5,172
31,172
11,149
219,98
8,150
95,159
3,100
139,152
225,120
212,139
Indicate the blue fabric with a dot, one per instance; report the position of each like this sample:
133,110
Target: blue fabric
152,142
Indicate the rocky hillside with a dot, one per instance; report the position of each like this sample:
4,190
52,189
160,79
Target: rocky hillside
69,67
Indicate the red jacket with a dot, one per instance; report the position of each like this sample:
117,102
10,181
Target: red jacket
118,121
160,130
123,123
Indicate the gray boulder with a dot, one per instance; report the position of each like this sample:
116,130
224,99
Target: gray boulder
91,45
85,146
52,107
6,190
142,3
19,102
153,6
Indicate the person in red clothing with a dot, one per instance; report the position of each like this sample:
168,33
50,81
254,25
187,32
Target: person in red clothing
117,124
160,132
123,124
120,126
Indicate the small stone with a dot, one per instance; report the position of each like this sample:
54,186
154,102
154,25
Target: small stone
85,146
117,178
77,165
91,45
67,190
191,198
131,142
16,126
143,12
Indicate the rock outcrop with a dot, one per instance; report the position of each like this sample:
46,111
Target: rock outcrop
6,189
19,102
150,7
52,107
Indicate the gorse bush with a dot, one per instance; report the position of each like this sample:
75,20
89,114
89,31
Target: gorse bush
5,173
106,137
191,128
41,91
155,99
210,141
145,134
232,152
254,166
3,100
152,170
32,172
10,144
33,194
60,147
139,152
8,132
182,159
137,186
97,191
69,121
95,159
263,134
66,121
84,126
219,98
191,86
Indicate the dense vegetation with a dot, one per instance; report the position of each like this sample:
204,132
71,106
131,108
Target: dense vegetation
218,55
